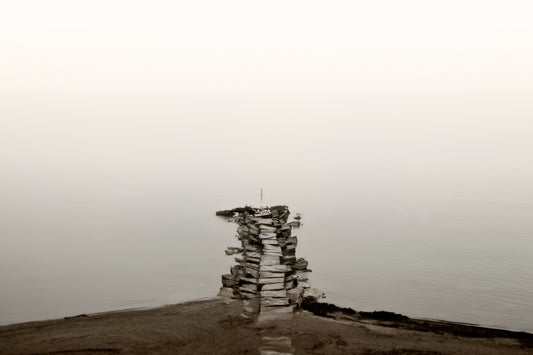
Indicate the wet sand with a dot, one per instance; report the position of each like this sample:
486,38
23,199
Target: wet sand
216,326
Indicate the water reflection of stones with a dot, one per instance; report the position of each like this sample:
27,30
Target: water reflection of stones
268,277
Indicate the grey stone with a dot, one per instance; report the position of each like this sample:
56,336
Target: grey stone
296,296
272,247
274,294
225,213
272,287
269,260
267,274
251,266
226,292
251,272
275,268
251,288
268,302
263,221
301,264
271,281
248,295
273,253
267,236
250,280
267,229
228,280
252,259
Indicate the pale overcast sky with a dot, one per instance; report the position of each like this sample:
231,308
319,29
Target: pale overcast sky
272,46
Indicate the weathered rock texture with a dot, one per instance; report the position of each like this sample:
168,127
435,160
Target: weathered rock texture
268,277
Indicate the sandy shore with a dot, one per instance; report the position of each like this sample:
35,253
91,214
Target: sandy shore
216,326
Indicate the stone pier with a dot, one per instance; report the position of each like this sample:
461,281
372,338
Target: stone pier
268,277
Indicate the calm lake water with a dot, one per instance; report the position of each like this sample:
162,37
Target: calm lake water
420,204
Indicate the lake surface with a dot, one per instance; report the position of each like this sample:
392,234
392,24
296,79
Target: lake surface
420,204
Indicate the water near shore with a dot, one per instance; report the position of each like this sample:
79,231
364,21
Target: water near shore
417,204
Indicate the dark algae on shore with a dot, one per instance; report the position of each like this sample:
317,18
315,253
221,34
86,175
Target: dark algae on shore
400,321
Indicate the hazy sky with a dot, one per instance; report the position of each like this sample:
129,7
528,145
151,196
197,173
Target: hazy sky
275,46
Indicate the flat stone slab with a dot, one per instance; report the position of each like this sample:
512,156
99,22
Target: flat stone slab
272,287
273,253
252,266
265,269
252,259
263,221
270,242
275,268
268,302
266,274
267,229
249,249
250,280
251,272
268,314
272,247
248,295
270,260
274,294
265,213
273,280
251,288
225,213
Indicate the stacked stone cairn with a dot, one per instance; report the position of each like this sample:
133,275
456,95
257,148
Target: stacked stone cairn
268,277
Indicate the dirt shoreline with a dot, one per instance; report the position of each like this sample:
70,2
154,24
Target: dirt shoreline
216,326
